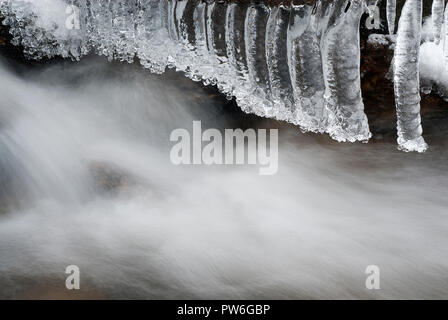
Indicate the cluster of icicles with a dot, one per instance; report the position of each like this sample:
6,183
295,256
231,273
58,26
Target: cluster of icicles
298,62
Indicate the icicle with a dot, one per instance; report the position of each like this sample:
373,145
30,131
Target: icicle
184,57
108,29
406,78
445,40
306,68
172,28
255,39
216,35
186,24
437,19
200,28
122,36
391,13
152,36
202,69
236,52
216,29
78,44
187,32
277,53
179,13
341,56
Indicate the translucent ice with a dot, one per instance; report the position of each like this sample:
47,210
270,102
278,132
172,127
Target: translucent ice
341,55
276,54
298,62
437,18
391,13
306,67
406,78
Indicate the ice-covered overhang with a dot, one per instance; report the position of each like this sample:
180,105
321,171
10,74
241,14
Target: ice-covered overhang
297,61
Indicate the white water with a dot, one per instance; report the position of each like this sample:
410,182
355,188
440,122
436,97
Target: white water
207,232
85,179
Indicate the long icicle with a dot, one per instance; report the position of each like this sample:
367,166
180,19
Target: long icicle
236,52
255,37
306,67
406,78
391,13
277,54
341,56
437,19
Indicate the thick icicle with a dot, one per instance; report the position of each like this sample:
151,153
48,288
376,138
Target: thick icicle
306,68
391,13
255,39
153,35
186,24
341,56
437,19
216,33
186,36
200,27
406,78
123,25
172,28
277,53
216,23
202,68
236,52
178,15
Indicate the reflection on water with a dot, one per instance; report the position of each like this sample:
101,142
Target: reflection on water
86,179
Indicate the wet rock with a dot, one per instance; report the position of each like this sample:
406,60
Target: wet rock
108,179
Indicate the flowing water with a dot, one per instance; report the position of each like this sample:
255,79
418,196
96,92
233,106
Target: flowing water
86,179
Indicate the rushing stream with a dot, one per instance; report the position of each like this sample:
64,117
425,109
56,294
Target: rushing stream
86,177
86,180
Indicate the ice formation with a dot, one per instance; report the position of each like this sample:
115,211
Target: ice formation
406,77
437,18
298,61
445,40
391,13
341,64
